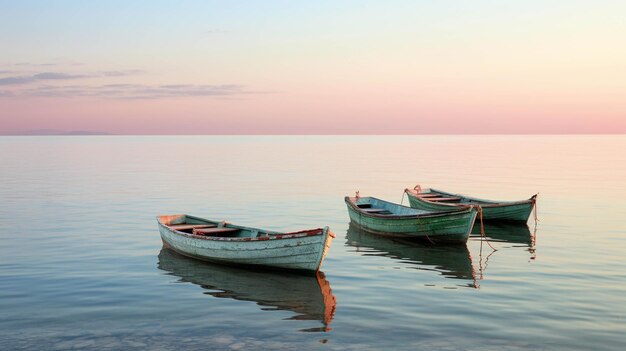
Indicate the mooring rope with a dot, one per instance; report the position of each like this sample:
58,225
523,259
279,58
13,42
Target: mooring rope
482,227
418,189
534,202
417,221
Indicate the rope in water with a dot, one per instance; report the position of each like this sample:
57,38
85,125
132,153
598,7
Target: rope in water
533,241
475,281
483,268
533,236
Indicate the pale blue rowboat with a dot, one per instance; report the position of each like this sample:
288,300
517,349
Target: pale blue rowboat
437,200
388,219
226,243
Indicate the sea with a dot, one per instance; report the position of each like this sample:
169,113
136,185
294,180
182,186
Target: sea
82,266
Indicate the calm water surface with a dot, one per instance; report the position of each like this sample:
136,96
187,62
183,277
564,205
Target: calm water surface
82,267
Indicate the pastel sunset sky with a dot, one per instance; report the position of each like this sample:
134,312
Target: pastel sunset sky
313,67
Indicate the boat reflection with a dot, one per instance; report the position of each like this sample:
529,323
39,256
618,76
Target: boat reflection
505,232
310,297
451,261
508,233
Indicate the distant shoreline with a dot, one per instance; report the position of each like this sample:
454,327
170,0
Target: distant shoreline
52,132
88,133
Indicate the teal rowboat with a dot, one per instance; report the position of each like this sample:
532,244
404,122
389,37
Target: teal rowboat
437,200
385,218
231,244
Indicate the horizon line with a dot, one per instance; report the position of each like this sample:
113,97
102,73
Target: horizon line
105,134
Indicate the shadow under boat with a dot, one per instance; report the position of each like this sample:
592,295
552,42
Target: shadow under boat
515,233
310,297
518,234
451,261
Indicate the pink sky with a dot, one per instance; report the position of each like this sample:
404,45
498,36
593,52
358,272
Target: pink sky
396,68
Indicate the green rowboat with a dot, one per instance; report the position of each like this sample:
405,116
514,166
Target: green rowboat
388,219
437,200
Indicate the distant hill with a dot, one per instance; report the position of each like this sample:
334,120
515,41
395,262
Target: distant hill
54,132
85,132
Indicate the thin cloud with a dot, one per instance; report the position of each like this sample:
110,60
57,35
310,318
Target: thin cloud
121,73
30,64
132,91
32,78
16,80
53,84
57,75
45,64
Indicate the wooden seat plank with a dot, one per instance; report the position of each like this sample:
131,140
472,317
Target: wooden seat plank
373,210
191,226
444,199
214,231
427,195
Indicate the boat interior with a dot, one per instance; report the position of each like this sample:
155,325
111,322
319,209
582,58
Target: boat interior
208,230
447,198
197,226
369,209
380,207
203,227
435,197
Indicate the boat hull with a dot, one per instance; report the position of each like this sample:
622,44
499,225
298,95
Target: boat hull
301,253
517,211
449,227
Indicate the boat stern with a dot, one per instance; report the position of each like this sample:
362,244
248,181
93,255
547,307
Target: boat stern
172,219
328,239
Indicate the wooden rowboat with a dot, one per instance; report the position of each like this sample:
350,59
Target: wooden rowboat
389,219
226,243
437,200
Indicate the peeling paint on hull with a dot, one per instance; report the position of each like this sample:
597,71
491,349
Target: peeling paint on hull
304,251
435,227
495,211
